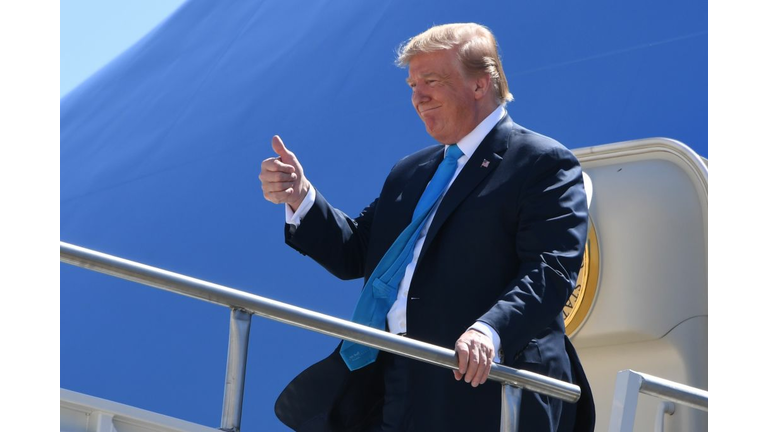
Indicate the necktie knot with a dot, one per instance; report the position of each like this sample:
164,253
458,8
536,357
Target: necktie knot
453,153
439,181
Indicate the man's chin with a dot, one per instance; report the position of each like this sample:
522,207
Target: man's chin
442,140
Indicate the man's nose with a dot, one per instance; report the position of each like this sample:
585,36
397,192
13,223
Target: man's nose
419,95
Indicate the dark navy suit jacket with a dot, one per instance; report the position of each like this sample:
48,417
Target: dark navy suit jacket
505,248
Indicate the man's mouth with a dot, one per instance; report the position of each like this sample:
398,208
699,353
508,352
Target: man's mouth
428,109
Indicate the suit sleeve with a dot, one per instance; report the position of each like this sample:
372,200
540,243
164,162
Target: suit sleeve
333,239
550,242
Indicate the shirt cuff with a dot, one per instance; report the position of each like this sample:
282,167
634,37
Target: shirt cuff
491,333
294,218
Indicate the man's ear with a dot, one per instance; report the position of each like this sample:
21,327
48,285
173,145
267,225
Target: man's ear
482,85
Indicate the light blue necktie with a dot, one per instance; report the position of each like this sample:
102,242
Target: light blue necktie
380,292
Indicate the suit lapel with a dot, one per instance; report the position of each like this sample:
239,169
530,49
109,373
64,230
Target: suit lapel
483,162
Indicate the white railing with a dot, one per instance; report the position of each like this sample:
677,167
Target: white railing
243,305
629,385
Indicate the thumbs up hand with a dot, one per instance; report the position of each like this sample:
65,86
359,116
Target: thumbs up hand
282,178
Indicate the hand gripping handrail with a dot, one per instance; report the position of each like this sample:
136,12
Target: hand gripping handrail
240,302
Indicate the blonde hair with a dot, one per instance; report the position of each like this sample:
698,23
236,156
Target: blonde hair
476,48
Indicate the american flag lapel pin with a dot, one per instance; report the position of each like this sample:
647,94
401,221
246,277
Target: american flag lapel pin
485,163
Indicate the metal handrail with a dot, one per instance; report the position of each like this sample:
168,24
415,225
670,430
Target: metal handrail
308,319
629,384
673,391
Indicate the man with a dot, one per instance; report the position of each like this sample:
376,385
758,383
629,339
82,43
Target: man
473,246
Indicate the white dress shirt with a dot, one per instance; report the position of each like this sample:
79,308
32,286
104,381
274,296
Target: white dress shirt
396,320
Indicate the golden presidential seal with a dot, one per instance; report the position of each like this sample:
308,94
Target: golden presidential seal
583,297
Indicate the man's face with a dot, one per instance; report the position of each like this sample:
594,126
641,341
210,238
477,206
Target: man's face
443,97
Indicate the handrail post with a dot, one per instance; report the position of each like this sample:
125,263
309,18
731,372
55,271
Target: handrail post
510,407
665,407
629,385
237,355
625,401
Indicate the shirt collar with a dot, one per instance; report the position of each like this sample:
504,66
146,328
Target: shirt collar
472,141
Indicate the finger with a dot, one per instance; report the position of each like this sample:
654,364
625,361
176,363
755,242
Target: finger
279,147
276,165
474,359
487,370
279,197
276,186
482,372
276,176
462,352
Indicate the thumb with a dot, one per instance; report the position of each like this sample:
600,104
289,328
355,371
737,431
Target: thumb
279,147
